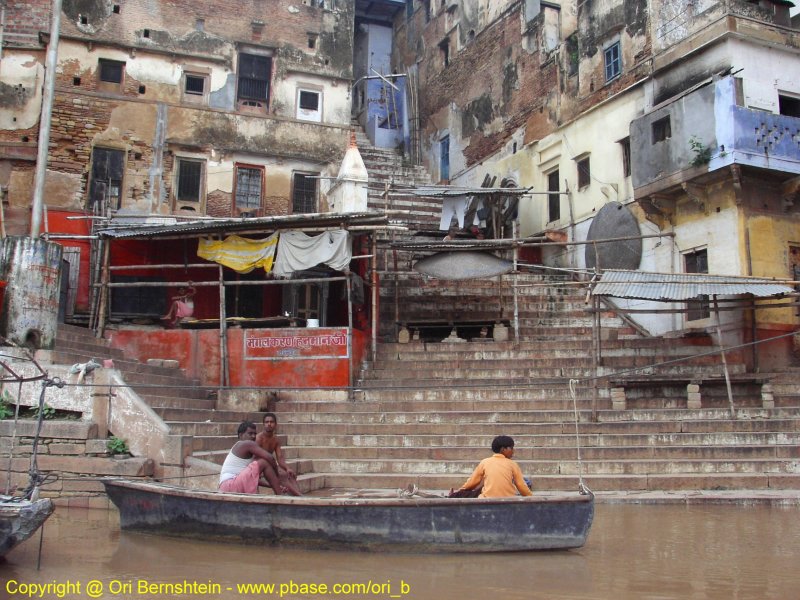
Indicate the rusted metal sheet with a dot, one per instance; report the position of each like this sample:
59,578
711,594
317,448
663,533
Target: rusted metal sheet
462,265
669,287
404,524
32,270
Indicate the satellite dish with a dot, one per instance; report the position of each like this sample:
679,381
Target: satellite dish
614,221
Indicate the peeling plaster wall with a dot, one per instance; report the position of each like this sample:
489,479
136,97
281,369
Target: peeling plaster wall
21,77
149,118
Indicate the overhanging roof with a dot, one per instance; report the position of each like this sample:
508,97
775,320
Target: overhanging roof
167,227
668,287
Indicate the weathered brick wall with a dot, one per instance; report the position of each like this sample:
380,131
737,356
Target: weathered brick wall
493,81
24,19
218,204
208,28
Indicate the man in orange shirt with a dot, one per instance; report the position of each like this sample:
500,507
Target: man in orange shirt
500,475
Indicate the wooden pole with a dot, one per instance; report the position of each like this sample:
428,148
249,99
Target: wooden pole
724,360
374,297
103,308
224,374
350,337
516,281
595,359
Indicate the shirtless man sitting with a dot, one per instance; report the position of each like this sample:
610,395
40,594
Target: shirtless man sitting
269,442
247,465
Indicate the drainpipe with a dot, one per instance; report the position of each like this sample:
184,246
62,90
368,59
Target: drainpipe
45,120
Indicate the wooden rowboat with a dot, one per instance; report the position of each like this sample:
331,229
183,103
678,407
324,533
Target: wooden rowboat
19,520
402,524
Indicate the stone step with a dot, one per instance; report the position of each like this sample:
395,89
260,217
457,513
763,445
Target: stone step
546,424
535,468
202,414
177,402
546,483
664,453
532,440
536,369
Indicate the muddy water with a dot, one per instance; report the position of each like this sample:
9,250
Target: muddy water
633,552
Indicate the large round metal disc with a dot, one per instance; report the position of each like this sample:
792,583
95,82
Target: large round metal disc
462,265
614,221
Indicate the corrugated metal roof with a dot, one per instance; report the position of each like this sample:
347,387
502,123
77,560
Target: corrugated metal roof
668,287
122,228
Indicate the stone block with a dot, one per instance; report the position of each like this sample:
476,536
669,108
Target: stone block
500,333
171,364
70,449
693,388
403,336
620,404
96,446
155,362
247,400
693,400
82,485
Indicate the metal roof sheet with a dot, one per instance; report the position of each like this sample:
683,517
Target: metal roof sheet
666,287
122,228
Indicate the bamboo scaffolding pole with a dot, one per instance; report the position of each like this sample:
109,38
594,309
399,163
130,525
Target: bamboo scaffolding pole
724,360
374,298
349,337
227,283
514,287
104,290
164,266
224,372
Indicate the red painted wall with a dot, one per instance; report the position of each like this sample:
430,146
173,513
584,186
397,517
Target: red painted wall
57,223
198,352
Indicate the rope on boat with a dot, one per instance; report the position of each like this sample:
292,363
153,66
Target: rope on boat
36,478
582,488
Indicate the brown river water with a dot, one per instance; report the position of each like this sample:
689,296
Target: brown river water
633,552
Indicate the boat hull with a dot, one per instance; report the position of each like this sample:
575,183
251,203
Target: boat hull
403,524
19,520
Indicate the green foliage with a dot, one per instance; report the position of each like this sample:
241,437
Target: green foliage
6,405
702,153
48,412
116,445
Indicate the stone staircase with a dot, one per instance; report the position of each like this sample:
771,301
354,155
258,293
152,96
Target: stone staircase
427,410
187,408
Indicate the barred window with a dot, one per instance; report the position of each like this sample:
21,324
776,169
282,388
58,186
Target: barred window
248,188
189,180
304,193
254,77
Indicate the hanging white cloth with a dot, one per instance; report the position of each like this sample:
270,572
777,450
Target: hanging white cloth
453,206
298,251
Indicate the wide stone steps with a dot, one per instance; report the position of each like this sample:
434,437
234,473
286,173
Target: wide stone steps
535,468
562,454
518,424
541,366
745,438
599,482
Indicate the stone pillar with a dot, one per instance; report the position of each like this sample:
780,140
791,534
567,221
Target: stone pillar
693,395
618,399
767,399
